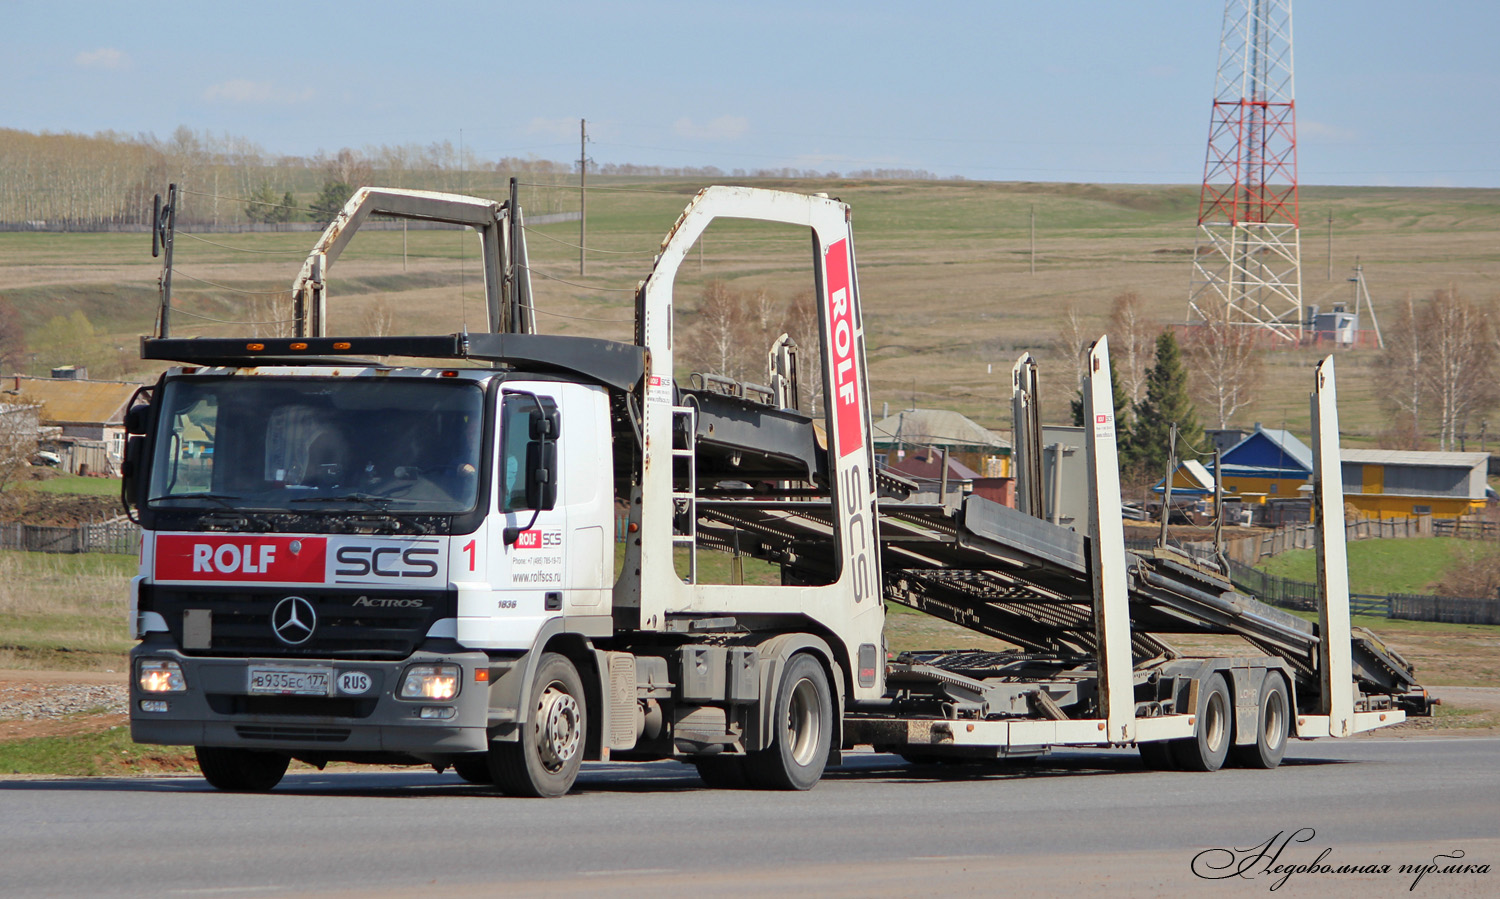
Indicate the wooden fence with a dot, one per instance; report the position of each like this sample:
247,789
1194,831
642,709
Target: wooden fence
118,536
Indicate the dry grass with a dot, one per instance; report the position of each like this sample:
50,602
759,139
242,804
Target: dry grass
64,612
944,270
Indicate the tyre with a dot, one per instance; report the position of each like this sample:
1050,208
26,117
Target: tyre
1272,725
474,768
544,762
722,772
1157,756
802,730
240,770
1209,746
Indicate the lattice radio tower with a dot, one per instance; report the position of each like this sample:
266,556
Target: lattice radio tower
1247,266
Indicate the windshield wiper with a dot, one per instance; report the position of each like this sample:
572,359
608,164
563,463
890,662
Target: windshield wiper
222,499
373,500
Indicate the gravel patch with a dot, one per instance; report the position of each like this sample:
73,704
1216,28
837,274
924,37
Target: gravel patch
30,702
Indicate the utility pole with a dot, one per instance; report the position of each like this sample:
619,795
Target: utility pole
1330,244
1033,238
583,197
1166,485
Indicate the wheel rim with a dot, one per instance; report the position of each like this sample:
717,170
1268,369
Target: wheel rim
1273,728
559,727
802,722
1214,722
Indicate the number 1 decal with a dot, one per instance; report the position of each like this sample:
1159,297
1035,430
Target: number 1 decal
469,548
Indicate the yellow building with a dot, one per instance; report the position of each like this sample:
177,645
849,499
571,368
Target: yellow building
1399,483
1273,468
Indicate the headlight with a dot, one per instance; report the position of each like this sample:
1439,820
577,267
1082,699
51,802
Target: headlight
430,682
161,676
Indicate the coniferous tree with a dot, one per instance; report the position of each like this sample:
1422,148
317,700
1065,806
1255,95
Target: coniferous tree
1166,403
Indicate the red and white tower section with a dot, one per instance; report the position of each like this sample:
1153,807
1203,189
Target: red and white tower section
1247,265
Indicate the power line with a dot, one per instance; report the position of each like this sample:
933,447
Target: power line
225,321
257,293
635,253
199,193
182,233
537,271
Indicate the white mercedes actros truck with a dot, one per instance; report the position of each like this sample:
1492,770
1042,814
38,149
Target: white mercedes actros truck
403,550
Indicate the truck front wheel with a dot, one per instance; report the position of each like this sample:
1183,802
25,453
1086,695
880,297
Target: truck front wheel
802,730
240,770
544,762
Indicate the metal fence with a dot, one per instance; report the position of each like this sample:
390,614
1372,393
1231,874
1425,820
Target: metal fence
118,536
1303,596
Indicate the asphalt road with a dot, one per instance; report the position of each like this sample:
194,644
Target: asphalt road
1091,823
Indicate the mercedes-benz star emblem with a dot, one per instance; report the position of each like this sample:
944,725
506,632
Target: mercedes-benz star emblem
293,620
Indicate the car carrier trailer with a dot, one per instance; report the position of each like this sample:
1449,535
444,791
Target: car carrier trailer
400,550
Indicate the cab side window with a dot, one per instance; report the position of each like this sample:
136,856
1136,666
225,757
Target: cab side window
515,422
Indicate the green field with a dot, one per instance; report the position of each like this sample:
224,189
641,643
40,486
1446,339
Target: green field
944,270
1378,566
74,484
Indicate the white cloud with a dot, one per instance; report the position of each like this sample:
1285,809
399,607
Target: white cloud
1321,131
561,129
723,128
103,58
243,90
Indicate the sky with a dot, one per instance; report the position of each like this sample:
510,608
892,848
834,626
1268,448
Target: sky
1387,93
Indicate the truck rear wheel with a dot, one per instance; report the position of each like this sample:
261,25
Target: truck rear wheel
1209,746
1271,728
802,730
544,762
240,770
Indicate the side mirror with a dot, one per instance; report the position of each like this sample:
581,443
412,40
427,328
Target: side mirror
541,475
131,468
138,418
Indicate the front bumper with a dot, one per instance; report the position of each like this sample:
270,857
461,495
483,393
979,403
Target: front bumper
217,709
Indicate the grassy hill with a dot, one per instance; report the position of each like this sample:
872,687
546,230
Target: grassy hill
944,267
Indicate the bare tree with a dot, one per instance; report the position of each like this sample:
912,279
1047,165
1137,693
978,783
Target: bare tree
1074,334
1401,370
716,339
1226,366
377,320
18,434
12,337
1458,353
1132,341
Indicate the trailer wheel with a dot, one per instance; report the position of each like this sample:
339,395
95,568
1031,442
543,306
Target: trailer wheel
474,768
240,770
1207,749
544,762
802,725
722,772
1271,727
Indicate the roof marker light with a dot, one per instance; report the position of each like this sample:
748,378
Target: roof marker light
255,347
299,346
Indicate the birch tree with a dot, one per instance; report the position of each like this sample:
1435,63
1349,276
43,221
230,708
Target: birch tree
1131,342
1225,367
1459,352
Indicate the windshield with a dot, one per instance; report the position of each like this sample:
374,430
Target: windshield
324,444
